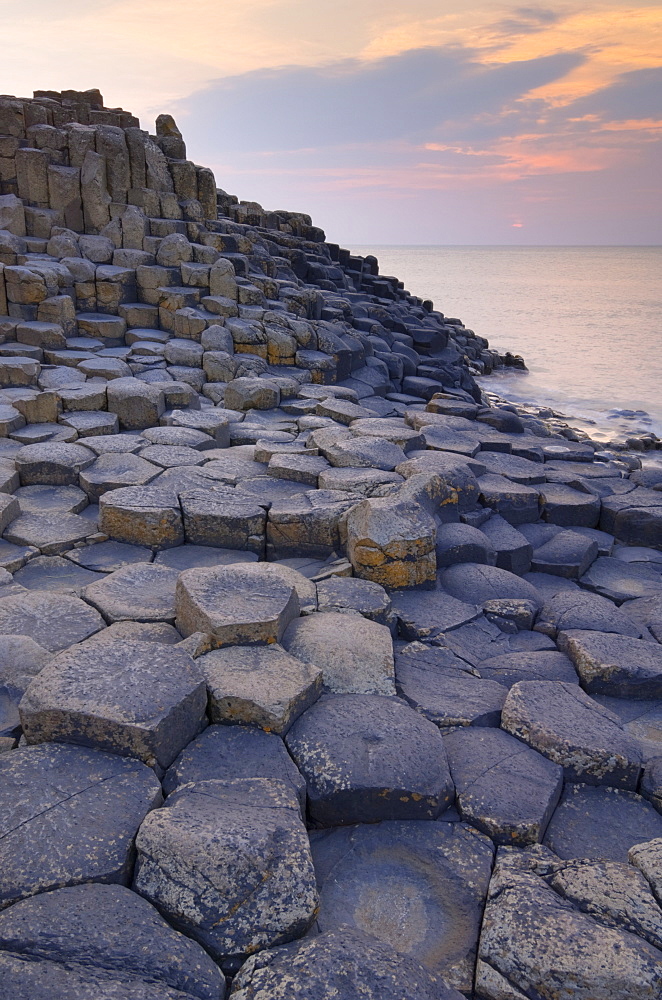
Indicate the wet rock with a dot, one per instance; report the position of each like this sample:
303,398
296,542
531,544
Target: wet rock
604,823
355,655
229,752
503,788
69,815
141,592
535,942
54,621
634,519
234,605
443,688
136,699
367,758
569,728
417,888
106,931
259,686
229,863
615,664
339,964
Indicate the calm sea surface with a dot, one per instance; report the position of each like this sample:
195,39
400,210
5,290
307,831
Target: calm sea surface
587,320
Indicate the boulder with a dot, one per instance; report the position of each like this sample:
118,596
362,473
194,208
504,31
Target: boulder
503,788
354,654
417,888
571,729
234,605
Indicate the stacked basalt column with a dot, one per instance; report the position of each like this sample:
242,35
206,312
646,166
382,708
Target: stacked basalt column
66,161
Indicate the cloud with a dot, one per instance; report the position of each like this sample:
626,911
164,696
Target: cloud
527,20
405,97
633,95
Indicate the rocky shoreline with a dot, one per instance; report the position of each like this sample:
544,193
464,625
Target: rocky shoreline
323,674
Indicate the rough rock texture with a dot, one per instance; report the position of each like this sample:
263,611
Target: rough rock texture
229,863
239,467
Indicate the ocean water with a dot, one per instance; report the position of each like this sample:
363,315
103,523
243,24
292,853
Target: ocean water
586,320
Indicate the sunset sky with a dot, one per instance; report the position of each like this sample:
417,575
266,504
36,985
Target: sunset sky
414,121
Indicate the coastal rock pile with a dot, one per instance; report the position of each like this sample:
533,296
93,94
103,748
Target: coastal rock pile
319,676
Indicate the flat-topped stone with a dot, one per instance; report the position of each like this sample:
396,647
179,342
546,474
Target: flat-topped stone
136,699
367,758
203,860
234,605
259,686
55,621
141,592
418,888
85,805
502,787
354,654
107,931
571,729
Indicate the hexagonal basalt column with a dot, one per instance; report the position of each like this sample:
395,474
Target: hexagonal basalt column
229,863
136,699
234,605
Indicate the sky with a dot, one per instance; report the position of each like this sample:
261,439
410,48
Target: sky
408,122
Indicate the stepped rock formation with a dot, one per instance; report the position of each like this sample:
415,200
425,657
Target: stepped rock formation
319,675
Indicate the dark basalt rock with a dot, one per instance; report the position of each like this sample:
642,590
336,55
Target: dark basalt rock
367,758
490,769
339,965
69,815
594,822
418,888
100,930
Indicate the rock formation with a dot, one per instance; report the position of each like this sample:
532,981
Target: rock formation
320,676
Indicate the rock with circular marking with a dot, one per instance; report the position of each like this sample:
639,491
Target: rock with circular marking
140,592
417,888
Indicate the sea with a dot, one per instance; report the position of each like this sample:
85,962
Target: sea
586,319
